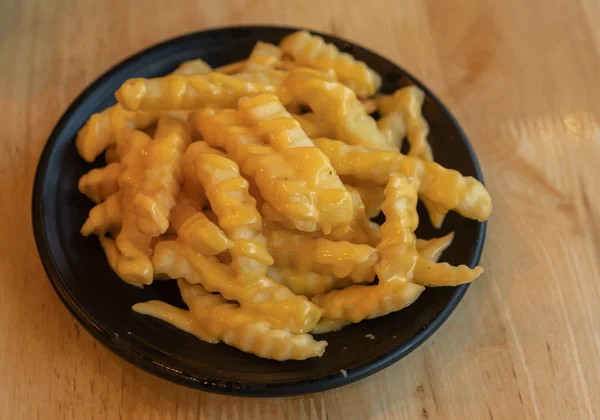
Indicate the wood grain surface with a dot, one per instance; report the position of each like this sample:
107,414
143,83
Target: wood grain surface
522,77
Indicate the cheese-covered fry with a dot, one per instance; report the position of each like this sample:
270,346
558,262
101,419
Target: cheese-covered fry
104,217
428,272
100,130
228,195
197,66
313,51
307,283
185,92
243,329
177,317
342,259
397,260
357,303
263,56
408,102
398,246
99,184
287,138
342,110
431,249
431,274
196,230
133,265
445,187
278,183
162,177
283,309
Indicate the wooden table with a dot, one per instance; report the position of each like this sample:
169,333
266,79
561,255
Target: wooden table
521,77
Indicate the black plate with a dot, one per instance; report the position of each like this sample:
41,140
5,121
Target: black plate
102,303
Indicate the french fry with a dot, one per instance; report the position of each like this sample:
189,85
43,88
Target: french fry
195,229
104,217
444,187
100,131
235,208
282,308
99,184
304,253
306,283
285,135
341,109
176,92
162,177
133,264
264,56
397,259
243,329
313,51
278,183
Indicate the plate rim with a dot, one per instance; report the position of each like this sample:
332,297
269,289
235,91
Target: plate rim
162,371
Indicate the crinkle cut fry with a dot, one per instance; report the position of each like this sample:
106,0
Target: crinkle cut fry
245,330
341,110
104,217
286,136
277,182
431,249
307,283
312,50
162,177
176,92
444,187
100,130
177,317
99,184
428,272
228,194
431,274
264,56
397,258
134,264
398,247
357,303
342,259
196,230
281,307
410,101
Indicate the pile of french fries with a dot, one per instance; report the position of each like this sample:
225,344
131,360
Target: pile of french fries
253,185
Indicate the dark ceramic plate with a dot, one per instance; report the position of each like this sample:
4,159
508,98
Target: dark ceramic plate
102,303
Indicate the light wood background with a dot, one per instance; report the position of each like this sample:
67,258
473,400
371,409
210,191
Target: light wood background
521,77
